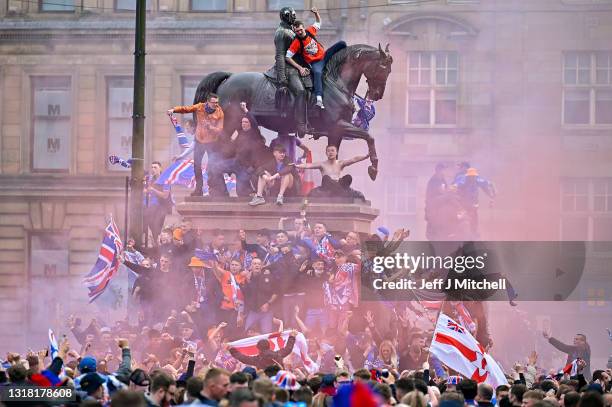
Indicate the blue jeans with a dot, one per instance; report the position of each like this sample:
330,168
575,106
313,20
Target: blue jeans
316,317
317,67
263,319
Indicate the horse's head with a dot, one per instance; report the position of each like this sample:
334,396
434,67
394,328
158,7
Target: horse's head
377,70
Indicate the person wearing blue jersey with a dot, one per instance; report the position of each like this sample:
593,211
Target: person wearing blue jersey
157,202
468,186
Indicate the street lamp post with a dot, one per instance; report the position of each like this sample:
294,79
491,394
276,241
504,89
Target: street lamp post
138,122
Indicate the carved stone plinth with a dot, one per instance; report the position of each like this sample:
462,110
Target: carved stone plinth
233,214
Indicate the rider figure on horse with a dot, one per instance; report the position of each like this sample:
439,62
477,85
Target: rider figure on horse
288,76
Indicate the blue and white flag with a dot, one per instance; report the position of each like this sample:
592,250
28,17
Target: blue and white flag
53,346
181,136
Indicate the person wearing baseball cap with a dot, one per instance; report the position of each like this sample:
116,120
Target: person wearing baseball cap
92,386
139,380
468,186
88,365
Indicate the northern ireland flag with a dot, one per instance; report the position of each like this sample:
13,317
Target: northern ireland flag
277,340
571,368
456,348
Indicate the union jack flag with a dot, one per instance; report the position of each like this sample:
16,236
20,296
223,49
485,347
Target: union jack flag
181,173
107,264
455,326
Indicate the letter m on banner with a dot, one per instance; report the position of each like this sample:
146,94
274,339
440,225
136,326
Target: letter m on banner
53,145
127,108
53,110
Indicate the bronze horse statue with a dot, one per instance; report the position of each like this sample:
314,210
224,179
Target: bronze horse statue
341,77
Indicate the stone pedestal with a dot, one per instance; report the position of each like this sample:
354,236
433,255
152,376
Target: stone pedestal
233,214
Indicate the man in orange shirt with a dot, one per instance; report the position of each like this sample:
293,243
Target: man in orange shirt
313,52
231,309
209,128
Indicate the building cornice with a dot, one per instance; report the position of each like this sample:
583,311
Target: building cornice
161,28
61,186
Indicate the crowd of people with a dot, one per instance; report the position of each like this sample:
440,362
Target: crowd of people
276,319
132,372
196,299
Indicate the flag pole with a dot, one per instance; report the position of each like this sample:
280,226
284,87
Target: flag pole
125,240
126,209
138,124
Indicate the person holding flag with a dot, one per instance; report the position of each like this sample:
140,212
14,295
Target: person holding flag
366,112
108,262
580,349
208,131
454,346
184,137
157,202
262,354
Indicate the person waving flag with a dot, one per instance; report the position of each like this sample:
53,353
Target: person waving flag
454,346
108,262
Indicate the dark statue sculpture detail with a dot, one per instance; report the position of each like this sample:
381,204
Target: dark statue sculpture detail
341,78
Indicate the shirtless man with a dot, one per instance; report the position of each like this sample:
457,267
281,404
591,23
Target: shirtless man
331,170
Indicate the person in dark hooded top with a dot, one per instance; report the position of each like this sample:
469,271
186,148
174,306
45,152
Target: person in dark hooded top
266,356
245,152
249,144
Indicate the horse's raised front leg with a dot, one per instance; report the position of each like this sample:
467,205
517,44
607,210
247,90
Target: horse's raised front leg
346,129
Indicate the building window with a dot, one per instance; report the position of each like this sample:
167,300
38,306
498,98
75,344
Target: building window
586,207
52,101
120,94
401,196
432,89
56,5
129,5
208,5
189,87
274,5
400,203
587,92
49,265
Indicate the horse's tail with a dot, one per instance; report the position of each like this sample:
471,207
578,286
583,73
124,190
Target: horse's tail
209,85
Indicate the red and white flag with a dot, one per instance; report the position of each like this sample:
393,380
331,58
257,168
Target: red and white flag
454,346
307,176
277,340
571,368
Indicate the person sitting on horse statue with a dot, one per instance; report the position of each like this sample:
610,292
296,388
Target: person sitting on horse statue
287,76
312,51
279,168
333,184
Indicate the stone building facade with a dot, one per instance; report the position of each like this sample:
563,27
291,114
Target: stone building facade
522,90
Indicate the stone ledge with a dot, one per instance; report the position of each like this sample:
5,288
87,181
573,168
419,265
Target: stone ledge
234,214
